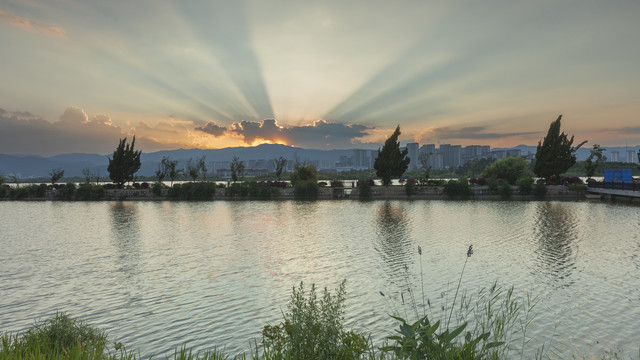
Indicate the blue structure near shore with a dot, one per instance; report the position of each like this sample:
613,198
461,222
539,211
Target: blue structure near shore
618,176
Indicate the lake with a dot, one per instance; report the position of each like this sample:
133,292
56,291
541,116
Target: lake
158,275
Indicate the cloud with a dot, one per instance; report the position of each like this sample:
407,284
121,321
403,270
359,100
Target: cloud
320,134
74,115
469,133
32,25
213,129
24,133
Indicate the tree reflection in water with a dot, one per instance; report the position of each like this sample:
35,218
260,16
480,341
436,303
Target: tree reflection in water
393,242
126,230
556,229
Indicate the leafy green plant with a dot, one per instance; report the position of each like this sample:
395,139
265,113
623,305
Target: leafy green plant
490,325
525,185
305,182
540,190
313,329
506,191
156,188
67,192
88,191
458,189
364,189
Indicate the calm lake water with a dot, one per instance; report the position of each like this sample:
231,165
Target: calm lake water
157,275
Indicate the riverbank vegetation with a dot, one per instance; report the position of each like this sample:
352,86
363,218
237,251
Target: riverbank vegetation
490,325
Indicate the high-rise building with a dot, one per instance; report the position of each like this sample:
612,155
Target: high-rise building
414,162
631,156
361,159
615,156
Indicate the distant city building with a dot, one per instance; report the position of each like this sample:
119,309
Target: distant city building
615,156
498,154
631,156
514,152
414,151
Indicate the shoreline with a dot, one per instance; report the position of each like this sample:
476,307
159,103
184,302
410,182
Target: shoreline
554,192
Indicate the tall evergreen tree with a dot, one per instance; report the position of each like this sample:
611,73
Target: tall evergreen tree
124,163
555,154
391,162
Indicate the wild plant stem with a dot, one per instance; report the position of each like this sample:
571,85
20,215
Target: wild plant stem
424,307
458,288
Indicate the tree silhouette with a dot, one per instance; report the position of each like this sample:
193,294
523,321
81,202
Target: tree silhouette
555,154
391,162
124,163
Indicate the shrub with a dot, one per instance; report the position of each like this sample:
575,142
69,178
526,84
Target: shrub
56,338
156,189
509,169
322,183
506,191
364,189
18,193
458,189
192,191
67,192
262,190
571,180
493,186
540,190
313,329
478,181
306,190
4,191
88,191
410,187
305,182
236,189
525,185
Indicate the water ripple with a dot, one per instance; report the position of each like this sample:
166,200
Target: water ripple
160,275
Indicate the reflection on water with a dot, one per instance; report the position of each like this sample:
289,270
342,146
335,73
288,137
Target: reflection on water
556,232
126,241
393,242
158,275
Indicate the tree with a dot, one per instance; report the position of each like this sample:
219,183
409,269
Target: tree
424,162
391,162
193,169
170,168
237,169
2,180
124,163
280,162
509,169
15,178
590,166
305,181
555,154
203,167
55,175
86,172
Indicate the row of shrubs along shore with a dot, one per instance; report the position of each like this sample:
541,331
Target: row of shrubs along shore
363,190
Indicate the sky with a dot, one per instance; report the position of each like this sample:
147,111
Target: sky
76,76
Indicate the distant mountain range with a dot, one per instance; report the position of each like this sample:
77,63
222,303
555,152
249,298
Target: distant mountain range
29,166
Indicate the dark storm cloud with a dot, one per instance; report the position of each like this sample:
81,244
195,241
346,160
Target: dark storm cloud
24,133
213,129
320,134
